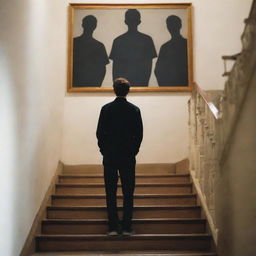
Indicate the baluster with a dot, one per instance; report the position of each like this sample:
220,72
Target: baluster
201,143
207,154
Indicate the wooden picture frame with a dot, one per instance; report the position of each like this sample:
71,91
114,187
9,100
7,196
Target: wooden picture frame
149,44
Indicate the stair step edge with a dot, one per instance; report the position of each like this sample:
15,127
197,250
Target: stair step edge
137,176
121,196
146,207
136,236
171,220
119,185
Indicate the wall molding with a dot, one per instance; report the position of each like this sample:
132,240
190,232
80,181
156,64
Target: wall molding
29,245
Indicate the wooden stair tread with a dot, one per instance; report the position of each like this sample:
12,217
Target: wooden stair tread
121,196
72,242
143,211
133,237
137,175
135,207
131,253
155,220
162,253
139,167
119,185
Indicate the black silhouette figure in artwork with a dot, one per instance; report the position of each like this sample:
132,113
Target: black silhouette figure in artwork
132,52
172,64
89,57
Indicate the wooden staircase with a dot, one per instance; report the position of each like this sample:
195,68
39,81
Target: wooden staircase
167,218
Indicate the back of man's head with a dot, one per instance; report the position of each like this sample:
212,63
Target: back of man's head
121,87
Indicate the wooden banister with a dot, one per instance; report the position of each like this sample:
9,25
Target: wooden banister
214,110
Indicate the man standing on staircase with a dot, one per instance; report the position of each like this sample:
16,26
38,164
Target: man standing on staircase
119,134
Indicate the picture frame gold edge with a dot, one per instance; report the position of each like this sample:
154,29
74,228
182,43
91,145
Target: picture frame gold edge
190,47
188,6
69,49
133,89
132,5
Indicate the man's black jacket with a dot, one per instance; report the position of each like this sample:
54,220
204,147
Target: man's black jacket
120,129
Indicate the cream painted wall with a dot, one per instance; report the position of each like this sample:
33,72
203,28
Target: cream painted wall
165,128
31,108
217,29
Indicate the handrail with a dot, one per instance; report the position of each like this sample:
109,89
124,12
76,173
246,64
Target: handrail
225,58
216,113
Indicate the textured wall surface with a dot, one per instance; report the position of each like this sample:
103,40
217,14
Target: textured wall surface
31,108
236,193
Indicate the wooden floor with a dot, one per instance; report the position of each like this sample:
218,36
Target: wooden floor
124,254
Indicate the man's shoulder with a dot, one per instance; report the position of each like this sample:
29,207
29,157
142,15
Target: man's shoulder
131,105
114,104
107,105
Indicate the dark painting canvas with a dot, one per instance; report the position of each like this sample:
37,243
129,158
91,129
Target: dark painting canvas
148,45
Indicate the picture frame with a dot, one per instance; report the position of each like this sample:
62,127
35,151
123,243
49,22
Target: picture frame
148,44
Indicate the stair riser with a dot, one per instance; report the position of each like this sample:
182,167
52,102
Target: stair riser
137,201
139,214
121,245
143,228
140,169
141,172
149,180
62,190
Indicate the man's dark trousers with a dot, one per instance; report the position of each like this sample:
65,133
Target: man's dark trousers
126,170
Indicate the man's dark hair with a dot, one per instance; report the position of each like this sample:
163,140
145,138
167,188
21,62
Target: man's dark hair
121,86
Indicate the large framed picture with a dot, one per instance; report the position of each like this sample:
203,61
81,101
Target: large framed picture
148,44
